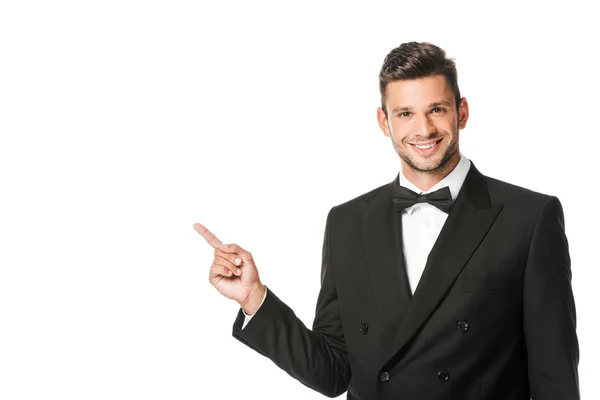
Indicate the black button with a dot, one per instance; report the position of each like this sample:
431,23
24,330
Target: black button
364,328
443,376
463,326
385,376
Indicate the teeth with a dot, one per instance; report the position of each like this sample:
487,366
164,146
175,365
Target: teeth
428,146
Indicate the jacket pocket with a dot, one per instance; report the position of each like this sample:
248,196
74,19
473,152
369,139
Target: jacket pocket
472,284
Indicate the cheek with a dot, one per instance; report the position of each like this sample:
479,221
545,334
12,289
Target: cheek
450,125
398,131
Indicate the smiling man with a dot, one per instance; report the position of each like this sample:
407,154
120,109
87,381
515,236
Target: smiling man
423,133
441,284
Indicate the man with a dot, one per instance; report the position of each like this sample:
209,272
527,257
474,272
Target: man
442,284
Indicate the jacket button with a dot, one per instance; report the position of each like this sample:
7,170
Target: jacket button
364,328
443,376
463,326
385,376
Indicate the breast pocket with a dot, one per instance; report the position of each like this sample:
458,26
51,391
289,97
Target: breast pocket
490,283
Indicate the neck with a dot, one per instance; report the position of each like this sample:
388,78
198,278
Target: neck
425,180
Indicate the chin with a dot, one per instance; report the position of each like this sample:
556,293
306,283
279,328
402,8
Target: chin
425,164
429,167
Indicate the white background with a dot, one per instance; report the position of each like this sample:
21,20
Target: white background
124,122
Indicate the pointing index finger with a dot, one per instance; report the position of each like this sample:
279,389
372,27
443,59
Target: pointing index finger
208,235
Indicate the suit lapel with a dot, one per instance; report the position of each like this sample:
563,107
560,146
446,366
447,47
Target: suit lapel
466,226
381,227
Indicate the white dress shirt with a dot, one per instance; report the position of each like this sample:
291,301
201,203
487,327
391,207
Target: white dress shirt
421,225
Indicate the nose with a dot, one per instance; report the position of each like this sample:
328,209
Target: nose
424,125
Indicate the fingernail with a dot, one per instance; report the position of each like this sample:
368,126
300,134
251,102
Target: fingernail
237,261
239,271
229,273
225,246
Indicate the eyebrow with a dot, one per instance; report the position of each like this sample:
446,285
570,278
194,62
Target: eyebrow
436,104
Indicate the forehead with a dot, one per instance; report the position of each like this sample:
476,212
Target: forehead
415,92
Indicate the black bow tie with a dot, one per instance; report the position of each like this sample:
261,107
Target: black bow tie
404,198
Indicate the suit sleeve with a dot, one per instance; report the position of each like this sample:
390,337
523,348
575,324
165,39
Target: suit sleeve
549,310
318,357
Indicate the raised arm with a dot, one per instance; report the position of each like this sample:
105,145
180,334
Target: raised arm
317,357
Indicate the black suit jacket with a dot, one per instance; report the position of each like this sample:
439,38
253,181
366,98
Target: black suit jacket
493,315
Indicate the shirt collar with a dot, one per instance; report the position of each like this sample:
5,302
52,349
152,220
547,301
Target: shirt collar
453,180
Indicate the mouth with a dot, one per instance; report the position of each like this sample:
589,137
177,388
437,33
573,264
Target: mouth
426,148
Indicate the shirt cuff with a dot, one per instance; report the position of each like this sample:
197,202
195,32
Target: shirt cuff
247,317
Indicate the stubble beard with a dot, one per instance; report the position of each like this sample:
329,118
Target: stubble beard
441,166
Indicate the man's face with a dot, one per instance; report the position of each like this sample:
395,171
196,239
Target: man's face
423,122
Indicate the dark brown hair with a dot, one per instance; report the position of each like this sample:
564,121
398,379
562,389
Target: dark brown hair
413,60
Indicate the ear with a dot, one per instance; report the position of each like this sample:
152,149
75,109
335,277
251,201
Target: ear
383,122
463,113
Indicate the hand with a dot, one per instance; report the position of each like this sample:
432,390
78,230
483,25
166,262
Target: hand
243,287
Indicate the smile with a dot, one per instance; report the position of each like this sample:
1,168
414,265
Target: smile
426,146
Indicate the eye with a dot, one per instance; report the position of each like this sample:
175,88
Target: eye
439,110
404,114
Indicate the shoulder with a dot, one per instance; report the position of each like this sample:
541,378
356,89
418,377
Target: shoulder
508,193
522,202
353,206
366,197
